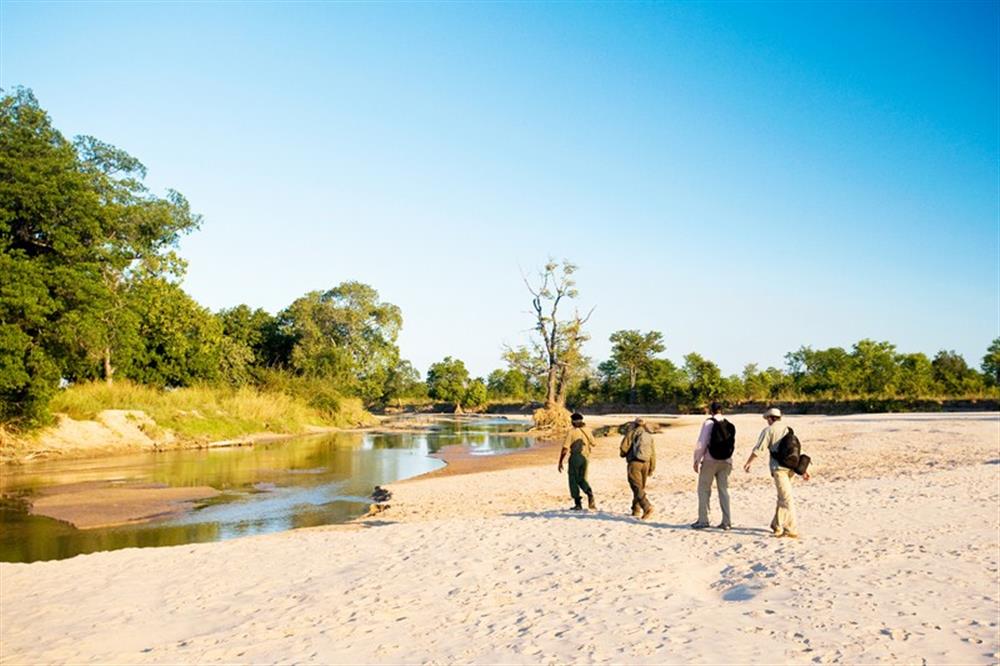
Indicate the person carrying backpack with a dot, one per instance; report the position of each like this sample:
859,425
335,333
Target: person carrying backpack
639,452
771,440
713,461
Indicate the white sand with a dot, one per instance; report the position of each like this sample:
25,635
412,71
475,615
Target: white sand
898,563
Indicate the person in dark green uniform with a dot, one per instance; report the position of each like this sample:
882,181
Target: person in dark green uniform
578,444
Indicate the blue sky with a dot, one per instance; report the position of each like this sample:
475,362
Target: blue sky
746,178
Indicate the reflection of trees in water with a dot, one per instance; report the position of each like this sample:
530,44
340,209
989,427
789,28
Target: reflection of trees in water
244,466
27,538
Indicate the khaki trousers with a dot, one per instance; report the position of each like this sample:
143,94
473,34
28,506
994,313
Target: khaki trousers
638,472
718,471
784,512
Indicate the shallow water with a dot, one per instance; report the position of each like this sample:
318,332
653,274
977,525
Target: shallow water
301,482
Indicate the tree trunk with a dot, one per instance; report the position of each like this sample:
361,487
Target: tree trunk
563,386
631,385
109,370
551,387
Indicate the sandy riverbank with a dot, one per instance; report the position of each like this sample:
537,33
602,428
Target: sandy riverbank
116,432
898,563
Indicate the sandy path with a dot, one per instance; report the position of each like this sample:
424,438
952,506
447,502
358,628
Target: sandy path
893,567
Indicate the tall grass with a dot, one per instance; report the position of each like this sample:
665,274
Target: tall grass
205,413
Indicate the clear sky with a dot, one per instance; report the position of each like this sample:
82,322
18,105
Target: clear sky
746,178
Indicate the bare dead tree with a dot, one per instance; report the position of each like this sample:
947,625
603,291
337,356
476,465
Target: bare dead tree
561,339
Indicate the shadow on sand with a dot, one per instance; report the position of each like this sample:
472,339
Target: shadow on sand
627,518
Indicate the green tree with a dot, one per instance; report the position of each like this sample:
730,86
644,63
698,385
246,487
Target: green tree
141,233
447,381
755,388
76,225
953,374
916,375
875,369
991,363
476,395
613,380
248,328
528,362
182,342
634,351
704,379
822,373
511,384
346,335
731,390
403,382
662,381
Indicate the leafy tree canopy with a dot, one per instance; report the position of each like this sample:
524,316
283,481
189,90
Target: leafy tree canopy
77,225
448,380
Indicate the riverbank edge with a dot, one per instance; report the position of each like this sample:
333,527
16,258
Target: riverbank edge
17,451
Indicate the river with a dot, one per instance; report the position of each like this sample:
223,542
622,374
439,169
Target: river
283,485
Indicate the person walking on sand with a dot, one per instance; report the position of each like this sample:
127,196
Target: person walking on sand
639,452
713,461
783,523
578,444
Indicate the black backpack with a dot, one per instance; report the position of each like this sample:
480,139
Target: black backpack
722,442
789,454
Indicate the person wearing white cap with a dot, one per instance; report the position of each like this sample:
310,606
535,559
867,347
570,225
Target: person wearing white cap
783,523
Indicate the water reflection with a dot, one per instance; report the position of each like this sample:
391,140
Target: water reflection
304,482
482,436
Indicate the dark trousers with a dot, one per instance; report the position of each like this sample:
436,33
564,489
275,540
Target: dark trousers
578,477
637,473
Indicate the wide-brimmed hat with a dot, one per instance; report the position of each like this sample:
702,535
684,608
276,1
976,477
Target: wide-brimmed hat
774,411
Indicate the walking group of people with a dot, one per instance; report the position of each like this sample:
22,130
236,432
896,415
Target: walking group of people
713,462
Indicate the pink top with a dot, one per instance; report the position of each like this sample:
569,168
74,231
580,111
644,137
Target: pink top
704,437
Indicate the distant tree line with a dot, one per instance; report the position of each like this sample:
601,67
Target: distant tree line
636,374
552,370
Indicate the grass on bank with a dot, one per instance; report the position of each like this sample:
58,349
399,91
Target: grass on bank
207,413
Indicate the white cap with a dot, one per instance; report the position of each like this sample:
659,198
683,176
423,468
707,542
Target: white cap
774,411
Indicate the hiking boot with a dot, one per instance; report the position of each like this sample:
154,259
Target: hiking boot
577,506
591,504
724,527
699,526
777,534
636,512
647,513
791,535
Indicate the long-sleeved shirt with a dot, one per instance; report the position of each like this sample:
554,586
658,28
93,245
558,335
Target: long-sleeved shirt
768,441
701,451
578,441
